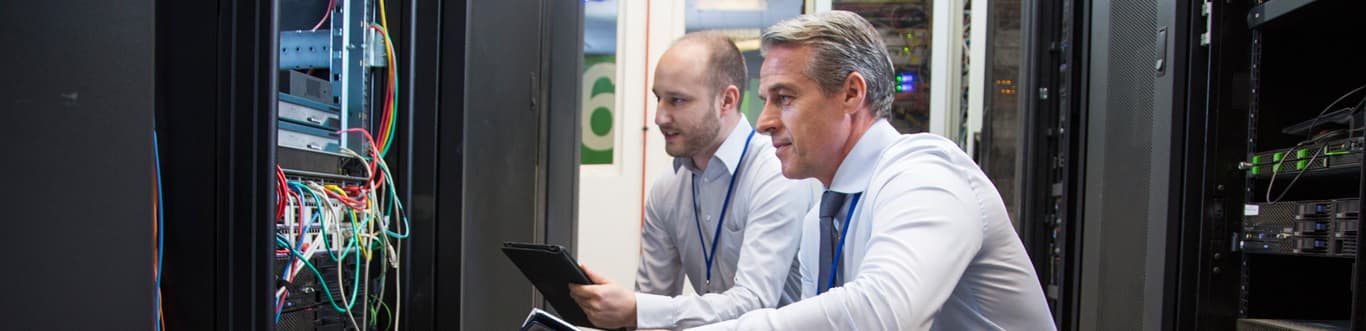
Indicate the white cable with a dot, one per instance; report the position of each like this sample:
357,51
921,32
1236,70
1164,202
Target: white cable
398,285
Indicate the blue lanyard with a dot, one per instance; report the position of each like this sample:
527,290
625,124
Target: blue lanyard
716,236
839,251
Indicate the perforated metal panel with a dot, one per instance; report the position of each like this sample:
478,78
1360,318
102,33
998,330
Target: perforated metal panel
1127,170
1280,214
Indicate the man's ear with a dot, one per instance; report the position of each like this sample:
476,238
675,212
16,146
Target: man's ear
730,99
853,93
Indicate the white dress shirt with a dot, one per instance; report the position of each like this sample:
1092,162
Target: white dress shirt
760,233
930,248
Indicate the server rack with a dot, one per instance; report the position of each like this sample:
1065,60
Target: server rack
1052,140
203,76
1269,66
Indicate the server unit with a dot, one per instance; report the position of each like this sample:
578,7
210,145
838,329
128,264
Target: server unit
1294,228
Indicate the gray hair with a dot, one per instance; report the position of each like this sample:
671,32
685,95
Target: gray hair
842,43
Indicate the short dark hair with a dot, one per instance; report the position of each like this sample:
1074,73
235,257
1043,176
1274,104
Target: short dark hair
726,65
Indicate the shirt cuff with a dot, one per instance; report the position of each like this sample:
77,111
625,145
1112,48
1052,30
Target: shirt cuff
727,325
654,311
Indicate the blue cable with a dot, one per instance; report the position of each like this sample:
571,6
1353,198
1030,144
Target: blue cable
285,274
161,221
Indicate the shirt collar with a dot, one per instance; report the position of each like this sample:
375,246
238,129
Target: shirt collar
730,150
857,168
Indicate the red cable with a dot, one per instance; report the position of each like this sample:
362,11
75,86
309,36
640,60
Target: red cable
330,5
357,205
388,93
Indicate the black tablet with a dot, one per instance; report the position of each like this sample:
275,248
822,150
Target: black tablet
551,269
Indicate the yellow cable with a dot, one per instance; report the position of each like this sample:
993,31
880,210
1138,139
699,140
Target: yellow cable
393,79
383,19
393,70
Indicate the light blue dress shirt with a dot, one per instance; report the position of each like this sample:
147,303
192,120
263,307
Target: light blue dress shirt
931,247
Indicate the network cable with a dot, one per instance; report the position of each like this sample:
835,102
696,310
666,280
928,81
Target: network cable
159,214
1307,139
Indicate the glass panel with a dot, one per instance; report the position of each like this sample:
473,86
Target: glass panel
905,27
743,21
1002,105
599,81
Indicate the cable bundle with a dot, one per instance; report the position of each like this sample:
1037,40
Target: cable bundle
357,223
360,224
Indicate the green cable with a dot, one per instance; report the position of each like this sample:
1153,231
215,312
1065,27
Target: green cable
374,311
389,315
355,287
394,196
316,273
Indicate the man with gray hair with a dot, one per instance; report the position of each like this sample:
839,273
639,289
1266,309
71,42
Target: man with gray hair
910,234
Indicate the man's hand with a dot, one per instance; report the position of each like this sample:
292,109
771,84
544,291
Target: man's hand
608,305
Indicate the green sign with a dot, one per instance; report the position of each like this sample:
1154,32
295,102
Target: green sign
599,108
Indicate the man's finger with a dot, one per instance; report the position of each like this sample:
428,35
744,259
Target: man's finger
580,292
593,276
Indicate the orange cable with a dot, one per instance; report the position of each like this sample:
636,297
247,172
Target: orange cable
644,124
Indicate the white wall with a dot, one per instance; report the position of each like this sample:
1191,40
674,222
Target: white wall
946,50
977,71
610,195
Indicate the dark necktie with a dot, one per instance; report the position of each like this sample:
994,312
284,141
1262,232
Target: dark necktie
831,202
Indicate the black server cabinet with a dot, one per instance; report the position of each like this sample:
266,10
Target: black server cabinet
1053,134
509,81
79,99
1259,254
1107,104
215,110
1134,101
1209,265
